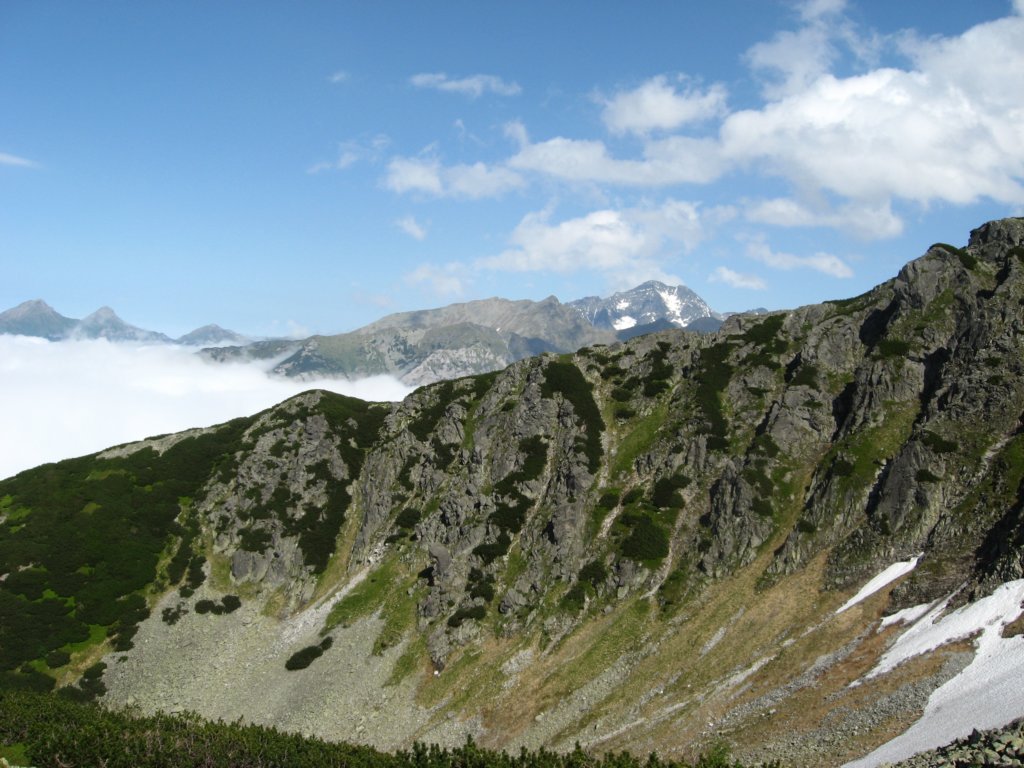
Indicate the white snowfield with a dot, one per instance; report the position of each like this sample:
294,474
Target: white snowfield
624,322
988,693
883,579
674,305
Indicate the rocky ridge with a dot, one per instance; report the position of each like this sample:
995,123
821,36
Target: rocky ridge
427,346
636,545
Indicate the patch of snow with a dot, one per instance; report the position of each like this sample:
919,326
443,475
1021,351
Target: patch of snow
906,616
624,322
623,304
674,305
883,579
988,693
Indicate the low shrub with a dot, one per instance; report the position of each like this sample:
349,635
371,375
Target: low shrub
475,612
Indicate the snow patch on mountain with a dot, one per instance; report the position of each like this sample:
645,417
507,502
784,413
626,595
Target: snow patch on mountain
988,693
883,579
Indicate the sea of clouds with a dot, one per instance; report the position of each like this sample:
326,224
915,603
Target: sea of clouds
70,398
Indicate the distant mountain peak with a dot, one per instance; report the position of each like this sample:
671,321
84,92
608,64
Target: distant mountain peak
651,303
103,314
212,335
35,318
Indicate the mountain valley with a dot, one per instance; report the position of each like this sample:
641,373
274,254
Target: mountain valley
795,534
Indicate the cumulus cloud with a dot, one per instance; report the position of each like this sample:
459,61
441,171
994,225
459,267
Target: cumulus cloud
626,241
736,279
949,128
672,160
945,125
427,175
657,105
473,86
826,263
69,398
411,227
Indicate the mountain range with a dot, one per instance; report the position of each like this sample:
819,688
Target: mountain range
426,346
419,347
37,318
801,535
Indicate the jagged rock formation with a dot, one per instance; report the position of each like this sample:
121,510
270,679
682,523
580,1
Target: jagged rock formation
644,306
637,545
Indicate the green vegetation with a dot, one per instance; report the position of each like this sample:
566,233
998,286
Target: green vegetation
566,379
661,370
666,491
638,440
475,612
712,376
408,518
50,731
309,654
86,541
938,443
318,527
643,534
443,395
893,348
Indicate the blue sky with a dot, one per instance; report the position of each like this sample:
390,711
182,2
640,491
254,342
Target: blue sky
308,167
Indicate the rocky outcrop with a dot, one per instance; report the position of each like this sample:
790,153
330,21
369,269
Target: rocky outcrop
664,526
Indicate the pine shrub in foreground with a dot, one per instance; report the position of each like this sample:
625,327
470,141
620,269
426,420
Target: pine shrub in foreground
55,732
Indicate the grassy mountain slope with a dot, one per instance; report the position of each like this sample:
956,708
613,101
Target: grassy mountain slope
641,545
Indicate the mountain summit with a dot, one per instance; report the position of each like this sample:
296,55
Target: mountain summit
36,318
426,346
645,305
105,324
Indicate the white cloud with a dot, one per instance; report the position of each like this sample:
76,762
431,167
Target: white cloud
446,280
949,128
339,77
351,152
673,160
826,263
629,241
657,105
412,174
736,279
70,398
14,160
811,10
865,220
473,86
516,131
427,175
411,227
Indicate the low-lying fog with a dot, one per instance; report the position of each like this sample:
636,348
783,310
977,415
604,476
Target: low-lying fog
69,398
